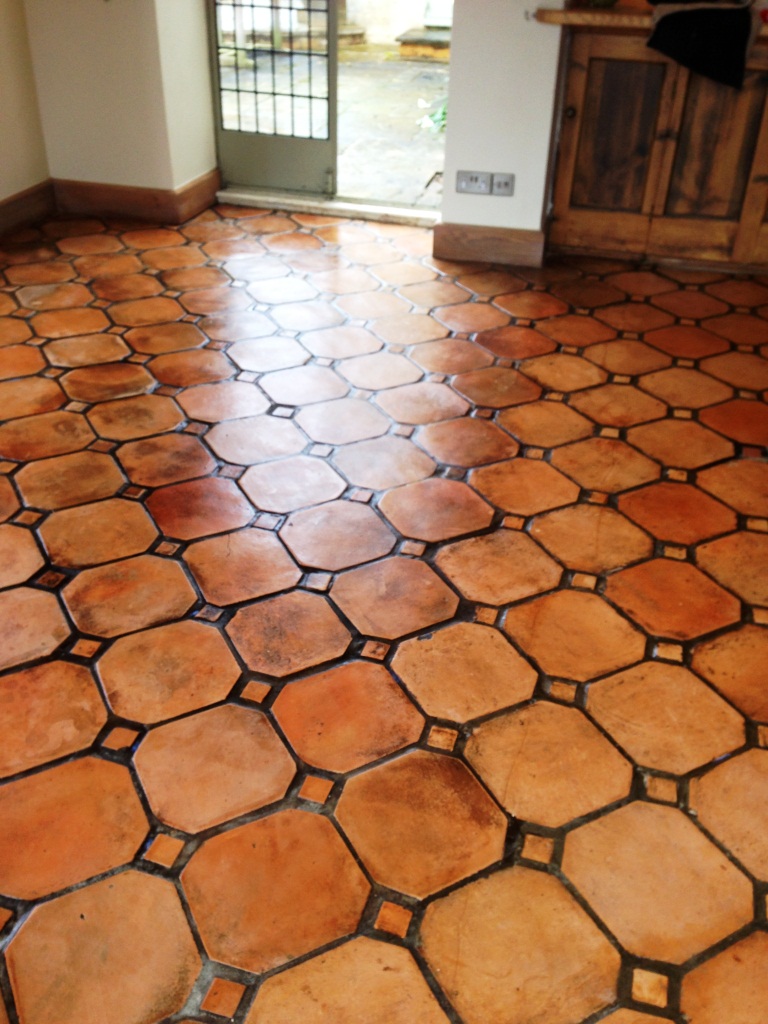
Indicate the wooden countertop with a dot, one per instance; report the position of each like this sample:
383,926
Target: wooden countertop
596,17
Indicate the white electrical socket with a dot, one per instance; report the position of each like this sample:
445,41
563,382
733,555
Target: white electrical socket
475,182
503,185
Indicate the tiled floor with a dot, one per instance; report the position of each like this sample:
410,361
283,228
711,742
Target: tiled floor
382,640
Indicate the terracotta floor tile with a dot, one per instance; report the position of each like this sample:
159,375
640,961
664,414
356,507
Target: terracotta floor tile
680,443
491,282
665,718
95,533
30,397
429,294
694,305
187,278
106,265
560,372
227,400
360,980
167,671
379,371
48,711
53,296
498,568
450,355
203,770
164,338
127,418
198,508
742,484
640,282
20,361
571,329
574,635
591,538
69,480
267,225
344,281
347,717
686,342
664,890
287,634
529,759
254,439
436,509
524,486
496,387
86,350
467,442
241,566
337,535
738,562
129,595
740,328
677,512
518,940
515,342
31,625
734,662
67,824
306,316
40,273
472,316
425,402
152,238
166,459
339,343
343,420
236,326
111,380
672,599
421,822
627,357
544,424
463,671
303,385
13,332
289,484
739,292
603,464
528,305
118,922
245,888
409,329
589,294
730,985
68,322
740,369
185,369
740,420
9,501
403,272
20,556
122,287
383,462
633,316
209,301
685,389
393,597
264,354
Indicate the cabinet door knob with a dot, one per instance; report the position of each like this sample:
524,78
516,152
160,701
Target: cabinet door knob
570,113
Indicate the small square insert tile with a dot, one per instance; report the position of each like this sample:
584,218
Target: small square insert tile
7,467
361,495
535,453
394,919
121,330
137,493
609,432
414,548
256,691
52,371
758,525
198,429
223,997
669,652
324,361
687,363
403,431
315,789
513,522
762,735
75,406
650,987
442,737
621,378
555,396
283,412
267,521
540,849
28,518
85,648
570,350
678,475
682,414
209,612
164,850
674,551
103,447
139,357
584,581
119,738
248,376
321,450
751,452
362,393
486,615
50,579
166,548
744,393
231,472
597,497
562,690
661,790
5,916
375,650
317,581
437,378
166,389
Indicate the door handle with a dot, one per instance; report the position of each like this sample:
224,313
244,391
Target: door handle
569,113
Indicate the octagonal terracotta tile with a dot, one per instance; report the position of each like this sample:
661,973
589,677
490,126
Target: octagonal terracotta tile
575,635
677,512
680,443
44,436
544,424
561,372
377,980
467,442
379,371
98,532
686,342
605,464
29,397
516,342
591,538
672,599
528,305
255,439
738,562
9,501
64,323
162,338
111,925
290,484
496,387
421,822
730,802
167,671
524,486
127,418
730,985
111,380
143,312
628,357
197,508
226,400
618,405
342,421
303,385
742,484
734,662
336,535
50,710
393,597
266,893
129,595
498,568
526,946
346,717
436,509
241,566
166,459
337,343
31,625
409,329
664,890
20,556
287,634
684,388
67,824
425,402
741,328
740,369
741,420
215,765
185,369
68,480
665,718
383,462
463,671
548,764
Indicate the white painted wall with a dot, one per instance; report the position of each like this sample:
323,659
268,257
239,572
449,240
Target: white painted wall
124,90
23,161
500,106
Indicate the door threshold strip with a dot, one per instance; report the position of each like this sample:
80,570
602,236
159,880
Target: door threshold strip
296,202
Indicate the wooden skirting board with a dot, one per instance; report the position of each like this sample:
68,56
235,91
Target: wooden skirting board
85,198
477,244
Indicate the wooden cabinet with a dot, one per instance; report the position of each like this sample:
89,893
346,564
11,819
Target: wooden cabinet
656,161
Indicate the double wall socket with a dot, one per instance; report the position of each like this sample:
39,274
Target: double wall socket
483,183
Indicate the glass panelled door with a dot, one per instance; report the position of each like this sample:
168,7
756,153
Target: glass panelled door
275,68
